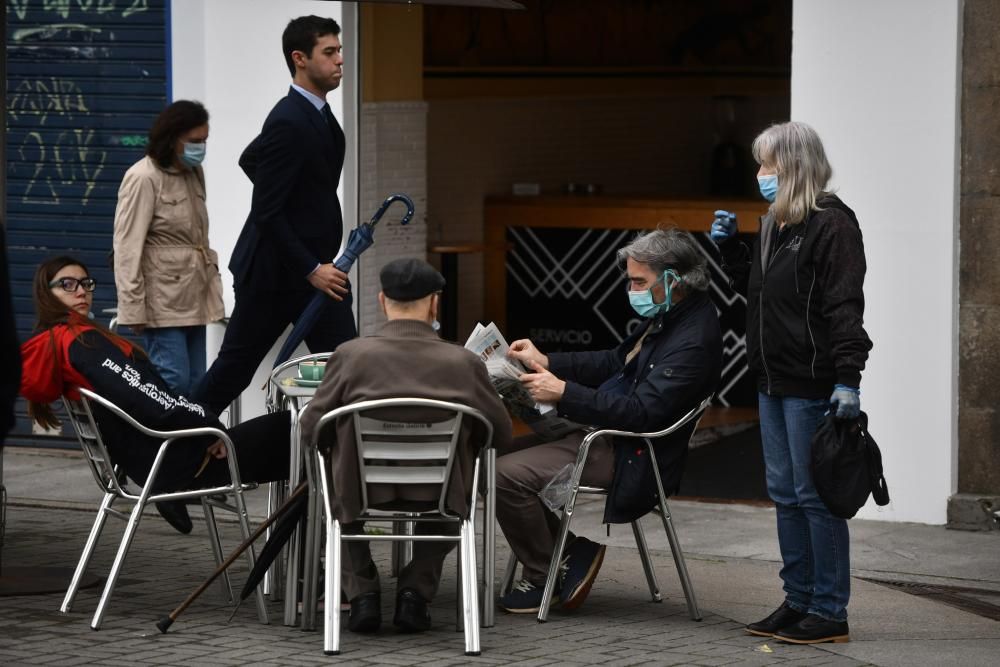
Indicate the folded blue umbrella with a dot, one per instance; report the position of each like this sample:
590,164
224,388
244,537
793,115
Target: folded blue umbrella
360,239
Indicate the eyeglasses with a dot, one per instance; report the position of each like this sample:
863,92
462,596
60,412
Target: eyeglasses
70,284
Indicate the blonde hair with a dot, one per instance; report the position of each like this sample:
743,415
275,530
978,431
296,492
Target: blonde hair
796,153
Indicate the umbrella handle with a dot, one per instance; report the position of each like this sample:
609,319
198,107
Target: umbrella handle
398,196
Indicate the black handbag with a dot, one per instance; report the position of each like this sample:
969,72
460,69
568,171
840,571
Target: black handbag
847,465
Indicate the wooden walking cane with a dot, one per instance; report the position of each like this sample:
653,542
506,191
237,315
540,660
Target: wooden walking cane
164,623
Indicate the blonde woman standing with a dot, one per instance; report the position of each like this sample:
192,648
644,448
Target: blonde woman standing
166,274
806,345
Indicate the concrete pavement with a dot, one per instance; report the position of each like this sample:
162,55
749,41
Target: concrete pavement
731,553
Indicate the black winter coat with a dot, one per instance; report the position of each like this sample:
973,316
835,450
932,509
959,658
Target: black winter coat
805,302
678,366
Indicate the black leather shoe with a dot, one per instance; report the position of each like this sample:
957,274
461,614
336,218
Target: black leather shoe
176,514
815,630
366,613
782,617
412,614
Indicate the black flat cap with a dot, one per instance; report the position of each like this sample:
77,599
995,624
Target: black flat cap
410,279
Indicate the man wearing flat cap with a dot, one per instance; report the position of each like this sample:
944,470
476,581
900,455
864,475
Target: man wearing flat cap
404,358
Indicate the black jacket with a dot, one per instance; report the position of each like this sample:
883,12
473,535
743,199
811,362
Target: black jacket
678,366
295,221
805,302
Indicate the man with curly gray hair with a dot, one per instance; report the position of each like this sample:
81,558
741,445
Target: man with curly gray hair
666,367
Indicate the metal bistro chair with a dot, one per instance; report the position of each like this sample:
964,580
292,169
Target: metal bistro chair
428,449
111,481
640,539
283,577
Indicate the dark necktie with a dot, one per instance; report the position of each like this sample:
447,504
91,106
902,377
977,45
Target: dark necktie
328,116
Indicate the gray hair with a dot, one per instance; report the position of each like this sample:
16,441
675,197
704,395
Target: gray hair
796,153
670,248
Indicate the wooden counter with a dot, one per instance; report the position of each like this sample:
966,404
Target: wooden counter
592,212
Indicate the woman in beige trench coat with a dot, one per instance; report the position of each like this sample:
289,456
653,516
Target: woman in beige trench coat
166,274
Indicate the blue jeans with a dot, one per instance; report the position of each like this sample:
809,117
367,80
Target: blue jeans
815,545
178,353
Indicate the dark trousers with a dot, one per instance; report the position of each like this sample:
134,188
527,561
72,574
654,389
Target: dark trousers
259,318
523,469
262,452
423,574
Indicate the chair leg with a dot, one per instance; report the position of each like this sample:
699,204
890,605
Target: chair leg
490,541
507,581
311,557
470,589
88,551
460,590
273,576
116,566
331,615
557,554
647,563
214,539
675,549
294,548
244,521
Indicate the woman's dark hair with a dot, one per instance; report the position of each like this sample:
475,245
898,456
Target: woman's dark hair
50,312
178,118
301,35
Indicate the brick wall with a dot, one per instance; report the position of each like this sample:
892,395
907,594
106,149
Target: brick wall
657,144
393,159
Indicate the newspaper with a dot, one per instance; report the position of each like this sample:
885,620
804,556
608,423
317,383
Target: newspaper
489,345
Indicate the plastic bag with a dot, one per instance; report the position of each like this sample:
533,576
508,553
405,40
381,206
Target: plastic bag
556,493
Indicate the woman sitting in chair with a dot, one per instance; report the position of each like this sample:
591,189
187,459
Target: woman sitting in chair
71,351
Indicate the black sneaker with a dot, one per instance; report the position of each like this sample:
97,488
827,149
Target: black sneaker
814,629
525,598
781,618
578,570
175,513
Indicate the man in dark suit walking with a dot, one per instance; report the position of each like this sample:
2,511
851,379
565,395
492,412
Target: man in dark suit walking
294,229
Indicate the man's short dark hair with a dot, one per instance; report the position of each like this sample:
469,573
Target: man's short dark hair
180,117
302,33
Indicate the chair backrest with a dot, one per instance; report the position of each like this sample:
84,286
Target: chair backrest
694,414
106,473
407,441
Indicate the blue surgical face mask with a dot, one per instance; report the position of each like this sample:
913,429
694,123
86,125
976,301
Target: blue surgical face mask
768,186
642,300
193,154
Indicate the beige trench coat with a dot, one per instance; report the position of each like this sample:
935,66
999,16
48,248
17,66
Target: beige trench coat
165,273
406,358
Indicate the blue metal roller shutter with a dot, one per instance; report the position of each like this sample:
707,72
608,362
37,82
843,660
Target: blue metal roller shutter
84,82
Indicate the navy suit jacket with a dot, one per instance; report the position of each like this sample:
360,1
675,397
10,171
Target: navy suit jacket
295,220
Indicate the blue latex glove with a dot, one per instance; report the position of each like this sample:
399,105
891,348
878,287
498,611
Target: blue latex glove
723,227
848,401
